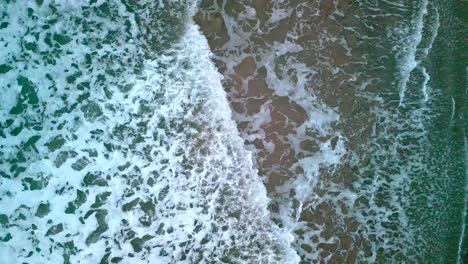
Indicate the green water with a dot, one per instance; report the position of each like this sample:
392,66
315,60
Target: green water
422,152
448,135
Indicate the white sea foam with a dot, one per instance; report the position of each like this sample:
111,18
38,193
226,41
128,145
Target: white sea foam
425,84
136,158
408,48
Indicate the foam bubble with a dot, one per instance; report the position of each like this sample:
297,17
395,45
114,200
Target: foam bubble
119,150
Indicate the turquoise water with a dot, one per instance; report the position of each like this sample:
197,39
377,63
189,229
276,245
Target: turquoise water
118,143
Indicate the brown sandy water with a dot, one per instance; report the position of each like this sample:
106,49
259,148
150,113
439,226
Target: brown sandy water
290,75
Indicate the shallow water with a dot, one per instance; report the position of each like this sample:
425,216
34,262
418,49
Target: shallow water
233,131
348,129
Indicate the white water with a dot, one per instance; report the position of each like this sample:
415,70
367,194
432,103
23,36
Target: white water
409,46
150,162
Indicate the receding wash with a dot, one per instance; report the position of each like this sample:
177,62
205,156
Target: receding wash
233,131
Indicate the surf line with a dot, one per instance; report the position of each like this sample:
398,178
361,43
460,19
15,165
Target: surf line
434,33
409,62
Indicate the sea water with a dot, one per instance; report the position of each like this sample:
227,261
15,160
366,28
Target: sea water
271,132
